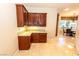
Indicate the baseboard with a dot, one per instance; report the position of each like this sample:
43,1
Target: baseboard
15,53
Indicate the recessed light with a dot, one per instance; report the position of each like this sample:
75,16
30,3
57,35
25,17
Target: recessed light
66,9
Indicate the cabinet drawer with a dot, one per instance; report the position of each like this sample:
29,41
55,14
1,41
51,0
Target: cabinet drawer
42,35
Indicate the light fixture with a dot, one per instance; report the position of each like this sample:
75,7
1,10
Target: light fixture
66,9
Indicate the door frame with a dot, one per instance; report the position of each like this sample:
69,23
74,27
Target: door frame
57,22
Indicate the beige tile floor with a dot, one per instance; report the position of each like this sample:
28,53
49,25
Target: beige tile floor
58,46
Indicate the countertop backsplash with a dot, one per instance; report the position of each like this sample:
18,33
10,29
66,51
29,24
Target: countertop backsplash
26,31
31,28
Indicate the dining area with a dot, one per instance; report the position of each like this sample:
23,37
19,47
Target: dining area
68,26
69,32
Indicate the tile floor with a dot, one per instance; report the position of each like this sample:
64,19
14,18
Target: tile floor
58,46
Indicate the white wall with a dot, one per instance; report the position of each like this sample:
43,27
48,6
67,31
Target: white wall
77,37
74,12
51,18
8,36
77,31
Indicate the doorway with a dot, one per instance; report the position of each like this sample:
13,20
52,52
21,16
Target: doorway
66,25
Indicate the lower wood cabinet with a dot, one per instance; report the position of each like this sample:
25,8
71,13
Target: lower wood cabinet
42,37
38,37
24,42
35,37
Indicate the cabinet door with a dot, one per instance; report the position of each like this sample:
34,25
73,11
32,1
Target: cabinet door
25,14
42,37
20,15
28,43
24,42
37,19
35,38
31,19
42,20
26,18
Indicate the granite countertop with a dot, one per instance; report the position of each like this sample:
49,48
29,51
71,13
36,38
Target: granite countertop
24,34
28,33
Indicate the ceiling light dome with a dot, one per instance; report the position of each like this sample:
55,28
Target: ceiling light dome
66,9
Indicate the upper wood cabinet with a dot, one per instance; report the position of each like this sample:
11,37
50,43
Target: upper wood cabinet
37,19
29,19
21,15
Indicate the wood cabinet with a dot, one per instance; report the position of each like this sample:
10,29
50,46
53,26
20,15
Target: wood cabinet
42,37
38,37
24,42
37,19
21,15
35,37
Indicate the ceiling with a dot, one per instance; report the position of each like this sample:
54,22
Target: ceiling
59,6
